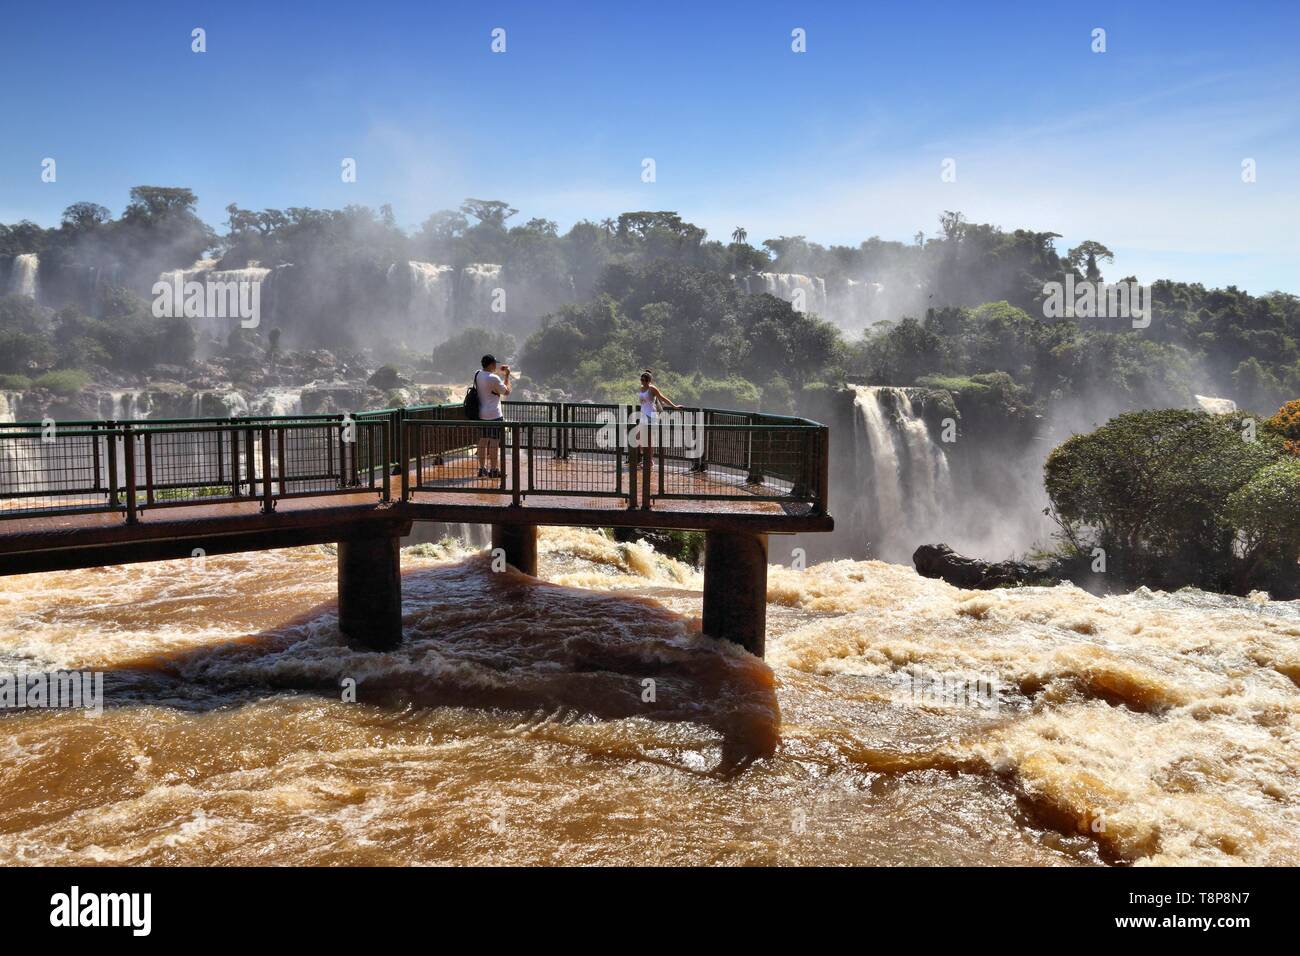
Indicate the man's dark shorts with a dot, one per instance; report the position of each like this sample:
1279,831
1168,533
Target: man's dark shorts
493,429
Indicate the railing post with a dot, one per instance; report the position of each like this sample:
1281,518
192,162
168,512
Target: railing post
343,454
386,434
618,465
250,460
397,437
755,456
354,480
645,468
279,448
268,500
633,466
419,458
404,449
148,468
513,430
94,454
110,451
128,460
662,465
234,462
566,411
329,452
529,486
823,469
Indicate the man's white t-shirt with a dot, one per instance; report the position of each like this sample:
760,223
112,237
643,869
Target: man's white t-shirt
489,402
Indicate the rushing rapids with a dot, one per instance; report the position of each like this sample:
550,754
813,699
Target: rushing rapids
586,720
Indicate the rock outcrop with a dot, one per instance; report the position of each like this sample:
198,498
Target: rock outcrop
941,561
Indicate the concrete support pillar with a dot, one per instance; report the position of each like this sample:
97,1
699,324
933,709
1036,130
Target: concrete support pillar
735,588
519,542
370,590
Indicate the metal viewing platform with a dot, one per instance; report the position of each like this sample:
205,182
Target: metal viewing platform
79,494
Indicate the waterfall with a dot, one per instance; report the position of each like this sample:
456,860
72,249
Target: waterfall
1216,406
9,406
909,494
235,404
784,285
480,279
276,402
475,536
23,278
203,271
125,405
20,461
430,297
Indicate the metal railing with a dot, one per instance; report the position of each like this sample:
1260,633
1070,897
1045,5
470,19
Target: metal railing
550,449
79,467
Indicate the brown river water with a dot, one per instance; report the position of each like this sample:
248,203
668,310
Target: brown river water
585,720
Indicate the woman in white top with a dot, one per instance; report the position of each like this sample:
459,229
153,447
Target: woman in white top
652,400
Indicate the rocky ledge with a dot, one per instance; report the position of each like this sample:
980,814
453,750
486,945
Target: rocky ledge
941,561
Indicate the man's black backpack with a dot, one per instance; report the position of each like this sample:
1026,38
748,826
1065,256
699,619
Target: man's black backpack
471,400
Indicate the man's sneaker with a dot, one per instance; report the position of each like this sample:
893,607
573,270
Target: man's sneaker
494,473
483,473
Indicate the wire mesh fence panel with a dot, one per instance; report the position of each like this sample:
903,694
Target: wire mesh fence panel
546,439
392,421
780,464
618,417
375,458
335,457
728,447
782,454
677,440
175,465
451,456
55,469
591,474
315,459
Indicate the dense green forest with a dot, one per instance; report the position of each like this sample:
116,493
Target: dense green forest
649,289
1172,497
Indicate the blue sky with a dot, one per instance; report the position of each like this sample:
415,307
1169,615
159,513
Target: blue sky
1139,147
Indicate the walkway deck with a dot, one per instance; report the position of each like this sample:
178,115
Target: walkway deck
86,494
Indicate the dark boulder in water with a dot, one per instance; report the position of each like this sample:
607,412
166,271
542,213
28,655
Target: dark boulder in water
941,561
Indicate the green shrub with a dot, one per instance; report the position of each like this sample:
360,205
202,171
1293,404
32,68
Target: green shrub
14,383
1151,488
1266,515
64,382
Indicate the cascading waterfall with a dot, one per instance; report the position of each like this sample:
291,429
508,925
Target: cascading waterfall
475,536
480,280
23,279
20,469
785,285
9,406
126,405
277,402
212,326
1215,406
235,404
430,305
910,486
